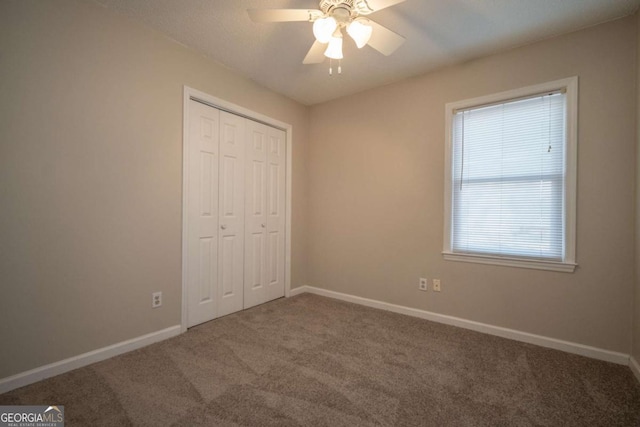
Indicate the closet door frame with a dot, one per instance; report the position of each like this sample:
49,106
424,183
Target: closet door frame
204,98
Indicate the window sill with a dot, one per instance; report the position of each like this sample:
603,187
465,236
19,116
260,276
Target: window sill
564,267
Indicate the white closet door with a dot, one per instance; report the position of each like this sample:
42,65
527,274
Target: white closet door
255,214
276,164
264,214
231,196
202,211
235,219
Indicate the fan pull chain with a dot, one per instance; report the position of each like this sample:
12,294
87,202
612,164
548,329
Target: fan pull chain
331,66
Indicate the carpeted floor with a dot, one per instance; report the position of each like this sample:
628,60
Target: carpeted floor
315,361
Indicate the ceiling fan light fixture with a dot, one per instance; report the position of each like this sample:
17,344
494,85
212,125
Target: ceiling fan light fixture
323,29
360,32
328,22
334,50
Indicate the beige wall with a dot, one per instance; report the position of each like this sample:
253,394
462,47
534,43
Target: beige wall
636,324
91,176
376,194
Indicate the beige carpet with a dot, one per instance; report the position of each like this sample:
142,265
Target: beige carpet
315,361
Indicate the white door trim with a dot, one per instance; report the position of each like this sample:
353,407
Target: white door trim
190,93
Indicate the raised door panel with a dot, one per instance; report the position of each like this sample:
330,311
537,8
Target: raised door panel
202,213
231,211
254,262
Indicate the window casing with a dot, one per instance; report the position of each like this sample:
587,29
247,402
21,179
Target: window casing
510,178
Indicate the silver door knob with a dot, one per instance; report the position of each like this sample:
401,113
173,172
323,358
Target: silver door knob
263,225
224,227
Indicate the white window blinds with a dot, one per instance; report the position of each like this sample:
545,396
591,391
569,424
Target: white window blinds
508,173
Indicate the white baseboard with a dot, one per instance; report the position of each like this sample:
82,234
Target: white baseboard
635,367
75,362
569,347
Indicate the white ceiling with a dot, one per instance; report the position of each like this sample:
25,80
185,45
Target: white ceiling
438,33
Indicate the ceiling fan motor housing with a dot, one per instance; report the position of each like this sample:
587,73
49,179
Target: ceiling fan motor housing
353,7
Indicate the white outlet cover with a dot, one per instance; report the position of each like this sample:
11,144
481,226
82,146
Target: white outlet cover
156,299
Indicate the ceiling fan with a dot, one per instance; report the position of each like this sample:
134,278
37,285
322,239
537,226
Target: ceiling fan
329,21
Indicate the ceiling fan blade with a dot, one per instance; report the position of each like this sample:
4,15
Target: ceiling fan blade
282,15
383,39
315,54
376,5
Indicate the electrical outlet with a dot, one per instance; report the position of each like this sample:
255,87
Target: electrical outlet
422,285
436,285
156,299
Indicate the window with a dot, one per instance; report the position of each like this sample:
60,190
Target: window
511,178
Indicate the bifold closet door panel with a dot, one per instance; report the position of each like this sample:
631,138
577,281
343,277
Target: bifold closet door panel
202,213
264,214
275,192
231,214
255,214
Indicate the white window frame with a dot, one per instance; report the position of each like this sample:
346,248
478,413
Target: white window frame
570,85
